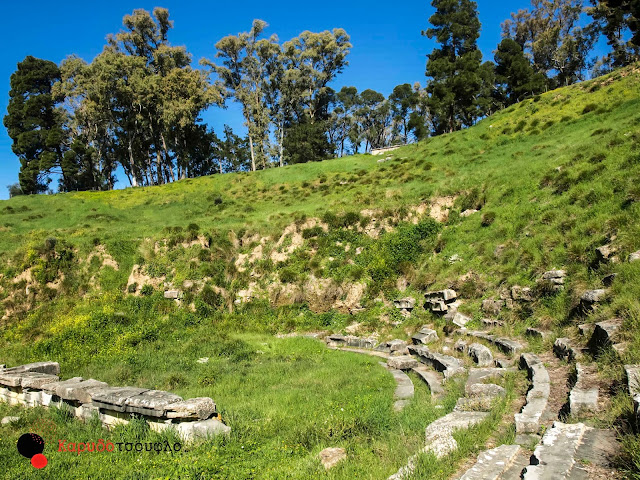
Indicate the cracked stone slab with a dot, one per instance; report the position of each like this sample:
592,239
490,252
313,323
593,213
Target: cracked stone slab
114,398
439,434
50,388
505,344
152,403
492,464
36,380
582,399
555,457
51,368
201,408
79,391
528,420
201,430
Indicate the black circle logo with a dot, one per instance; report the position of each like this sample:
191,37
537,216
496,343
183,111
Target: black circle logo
30,444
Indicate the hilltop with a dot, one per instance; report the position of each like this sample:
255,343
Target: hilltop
133,286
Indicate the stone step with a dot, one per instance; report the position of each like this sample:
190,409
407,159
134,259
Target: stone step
432,379
582,398
598,448
492,464
555,457
528,420
446,364
514,472
373,353
439,438
507,345
404,390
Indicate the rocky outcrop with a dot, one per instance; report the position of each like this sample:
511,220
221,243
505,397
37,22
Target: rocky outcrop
590,299
38,385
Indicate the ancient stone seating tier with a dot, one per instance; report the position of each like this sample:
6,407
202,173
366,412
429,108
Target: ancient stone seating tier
38,384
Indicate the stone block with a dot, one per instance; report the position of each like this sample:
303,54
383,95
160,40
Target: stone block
405,362
480,354
201,408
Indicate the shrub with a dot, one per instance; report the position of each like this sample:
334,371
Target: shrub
211,298
193,227
589,108
132,288
312,232
488,218
146,290
287,275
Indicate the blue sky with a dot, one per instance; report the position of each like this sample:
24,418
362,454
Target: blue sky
388,48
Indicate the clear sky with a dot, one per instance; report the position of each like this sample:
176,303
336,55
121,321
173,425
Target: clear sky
388,48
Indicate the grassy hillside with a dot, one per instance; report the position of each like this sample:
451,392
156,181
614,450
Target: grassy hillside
319,247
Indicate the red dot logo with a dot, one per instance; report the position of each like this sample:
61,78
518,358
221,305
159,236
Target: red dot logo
39,461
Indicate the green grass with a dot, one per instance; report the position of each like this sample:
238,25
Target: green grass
553,179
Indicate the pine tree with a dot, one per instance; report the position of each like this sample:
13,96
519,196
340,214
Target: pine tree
514,74
455,69
35,123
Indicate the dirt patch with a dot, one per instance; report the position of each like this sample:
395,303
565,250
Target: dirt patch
107,260
439,208
140,278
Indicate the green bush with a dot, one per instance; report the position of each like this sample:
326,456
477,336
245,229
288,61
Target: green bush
146,290
488,219
312,232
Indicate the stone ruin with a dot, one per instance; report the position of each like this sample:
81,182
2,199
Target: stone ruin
39,385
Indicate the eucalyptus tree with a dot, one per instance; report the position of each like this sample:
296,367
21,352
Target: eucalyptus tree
243,76
552,35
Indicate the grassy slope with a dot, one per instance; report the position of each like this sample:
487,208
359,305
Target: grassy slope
560,172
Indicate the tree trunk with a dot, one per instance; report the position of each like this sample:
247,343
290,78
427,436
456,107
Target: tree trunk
282,144
253,158
133,179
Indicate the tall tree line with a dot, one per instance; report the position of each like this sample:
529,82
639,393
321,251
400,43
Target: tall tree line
138,104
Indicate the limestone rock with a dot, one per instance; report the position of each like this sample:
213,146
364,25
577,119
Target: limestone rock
9,420
424,336
440,301
590,299
330,457
405,362
468,213
442,363
173,294
606,253
634,257
604,335
554,458
114,398
439,434
202,408
492,464
201,430
405,303
492,306
79,391
460,320
51,368
563,349
152,403
633,379
480,354
536,333
521,294
485,390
